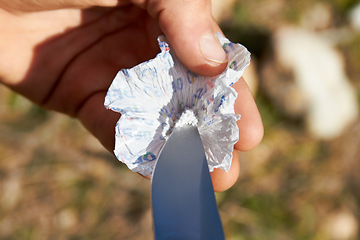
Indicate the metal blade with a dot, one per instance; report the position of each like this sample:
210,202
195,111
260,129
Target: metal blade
183,200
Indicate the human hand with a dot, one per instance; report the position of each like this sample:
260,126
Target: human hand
63,56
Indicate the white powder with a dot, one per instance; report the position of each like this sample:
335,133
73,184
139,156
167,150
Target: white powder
187,118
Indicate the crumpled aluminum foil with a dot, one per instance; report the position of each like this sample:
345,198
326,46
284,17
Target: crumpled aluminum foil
153,95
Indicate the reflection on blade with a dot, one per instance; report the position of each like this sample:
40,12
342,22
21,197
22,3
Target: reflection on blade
184,205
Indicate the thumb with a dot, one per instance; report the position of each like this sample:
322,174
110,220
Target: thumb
191,32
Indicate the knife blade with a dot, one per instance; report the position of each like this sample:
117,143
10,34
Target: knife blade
183,200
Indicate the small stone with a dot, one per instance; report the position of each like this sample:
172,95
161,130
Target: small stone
319,72
341,226
354,17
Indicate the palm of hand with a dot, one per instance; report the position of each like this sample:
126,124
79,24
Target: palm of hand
71,71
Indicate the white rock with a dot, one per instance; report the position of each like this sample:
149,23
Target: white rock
341,226
354,17
67,218
319,72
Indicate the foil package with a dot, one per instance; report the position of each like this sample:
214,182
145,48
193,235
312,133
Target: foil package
154,95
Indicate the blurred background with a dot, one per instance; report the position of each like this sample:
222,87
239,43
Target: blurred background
302,181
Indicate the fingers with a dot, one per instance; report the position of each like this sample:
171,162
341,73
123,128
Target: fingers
190,30
224,180
187,24
251,130
99,121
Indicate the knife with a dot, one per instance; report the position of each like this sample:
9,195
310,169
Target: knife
183,200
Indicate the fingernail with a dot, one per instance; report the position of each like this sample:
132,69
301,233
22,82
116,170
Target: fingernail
212,50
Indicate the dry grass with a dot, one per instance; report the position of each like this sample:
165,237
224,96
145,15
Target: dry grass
57,182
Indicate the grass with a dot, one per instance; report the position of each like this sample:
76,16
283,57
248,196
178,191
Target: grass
57,182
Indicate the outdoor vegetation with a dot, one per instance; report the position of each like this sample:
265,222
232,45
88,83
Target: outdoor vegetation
58,182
